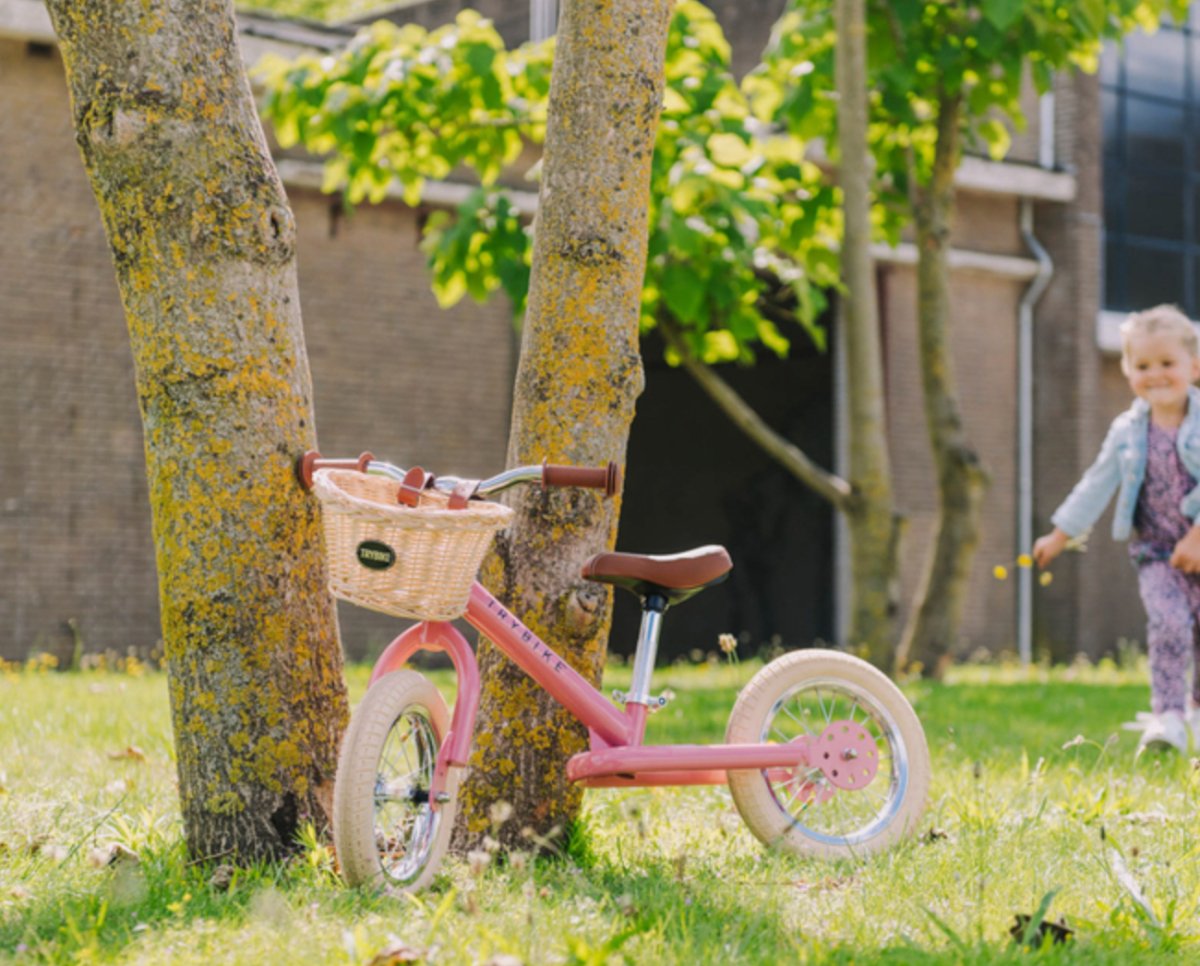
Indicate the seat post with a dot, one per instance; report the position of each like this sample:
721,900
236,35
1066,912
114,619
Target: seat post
653,608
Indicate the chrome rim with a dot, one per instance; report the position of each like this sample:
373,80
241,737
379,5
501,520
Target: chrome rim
405,825
816,808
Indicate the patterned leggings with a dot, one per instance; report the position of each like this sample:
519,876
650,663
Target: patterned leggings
1172,601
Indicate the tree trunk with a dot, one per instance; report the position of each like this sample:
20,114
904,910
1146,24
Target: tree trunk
204,248
578,378
873,522
933,626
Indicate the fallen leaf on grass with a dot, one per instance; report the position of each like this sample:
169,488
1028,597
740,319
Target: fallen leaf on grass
55,853
1056,932
828,884
1032,931
1147,818
398,952
103,856
130,752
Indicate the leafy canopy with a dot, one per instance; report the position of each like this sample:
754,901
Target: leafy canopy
744,227
743,230
925,56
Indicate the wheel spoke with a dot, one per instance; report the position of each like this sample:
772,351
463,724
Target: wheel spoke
800,722
404,826
845,814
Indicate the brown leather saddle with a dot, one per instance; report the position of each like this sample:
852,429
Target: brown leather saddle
673,577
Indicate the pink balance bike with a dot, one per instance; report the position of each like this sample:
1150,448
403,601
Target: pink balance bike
824,756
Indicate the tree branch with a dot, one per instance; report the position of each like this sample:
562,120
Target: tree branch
828,486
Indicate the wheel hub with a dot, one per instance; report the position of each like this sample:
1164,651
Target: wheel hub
846,754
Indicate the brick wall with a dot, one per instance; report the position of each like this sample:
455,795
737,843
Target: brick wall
983,333
1093,601
391,372
74,529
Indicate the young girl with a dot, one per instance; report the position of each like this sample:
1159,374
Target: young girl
1151,460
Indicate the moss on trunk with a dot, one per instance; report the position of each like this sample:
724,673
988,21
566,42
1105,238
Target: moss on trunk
578,378
203,244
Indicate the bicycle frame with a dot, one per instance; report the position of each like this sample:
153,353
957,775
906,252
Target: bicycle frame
617,756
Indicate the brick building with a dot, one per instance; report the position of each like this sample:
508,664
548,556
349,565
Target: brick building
75,551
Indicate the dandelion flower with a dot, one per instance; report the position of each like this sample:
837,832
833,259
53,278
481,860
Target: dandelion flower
1046,579
1025,561
728,643
999,572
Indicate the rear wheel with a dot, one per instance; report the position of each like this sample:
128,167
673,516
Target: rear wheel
384,829
869,796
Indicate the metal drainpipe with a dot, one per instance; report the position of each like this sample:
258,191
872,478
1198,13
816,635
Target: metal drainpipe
543,19
1025,387
1025,429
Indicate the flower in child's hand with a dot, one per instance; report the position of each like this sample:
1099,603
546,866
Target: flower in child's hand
1079,543
1045,578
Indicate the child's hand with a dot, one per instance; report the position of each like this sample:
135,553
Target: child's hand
1046,548
1186,556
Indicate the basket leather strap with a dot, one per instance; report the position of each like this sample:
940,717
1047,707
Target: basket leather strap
415,480
462,494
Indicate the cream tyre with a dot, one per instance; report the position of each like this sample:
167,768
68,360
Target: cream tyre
385,831
795,698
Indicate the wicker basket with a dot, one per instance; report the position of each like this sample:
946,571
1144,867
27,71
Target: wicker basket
414,562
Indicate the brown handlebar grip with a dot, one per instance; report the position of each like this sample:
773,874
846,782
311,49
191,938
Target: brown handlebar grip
311,461
606,478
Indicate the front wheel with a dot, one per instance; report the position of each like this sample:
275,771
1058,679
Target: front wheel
384,830
799,698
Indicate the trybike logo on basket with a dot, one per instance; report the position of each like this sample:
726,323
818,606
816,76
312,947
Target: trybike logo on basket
375,555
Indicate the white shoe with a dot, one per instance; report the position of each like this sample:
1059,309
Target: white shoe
1193,723
1163,732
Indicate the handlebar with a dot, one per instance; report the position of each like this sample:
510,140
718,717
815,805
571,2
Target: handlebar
606,478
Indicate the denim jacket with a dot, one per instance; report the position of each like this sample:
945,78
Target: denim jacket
1122,464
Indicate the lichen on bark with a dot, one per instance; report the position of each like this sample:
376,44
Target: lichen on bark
204,249
578,378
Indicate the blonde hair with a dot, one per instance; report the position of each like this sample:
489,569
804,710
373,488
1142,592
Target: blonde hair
1168,320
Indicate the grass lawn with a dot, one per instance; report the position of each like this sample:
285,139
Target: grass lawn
1021,809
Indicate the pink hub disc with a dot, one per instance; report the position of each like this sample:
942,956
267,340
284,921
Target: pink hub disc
846,754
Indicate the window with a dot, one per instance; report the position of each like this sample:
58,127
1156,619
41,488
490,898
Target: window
1150,104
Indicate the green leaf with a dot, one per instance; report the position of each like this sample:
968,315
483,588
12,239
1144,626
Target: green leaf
480,58
682,291
729,150
1002,13
719,346
450,289
996,137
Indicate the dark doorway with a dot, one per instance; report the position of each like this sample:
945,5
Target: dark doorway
693,478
